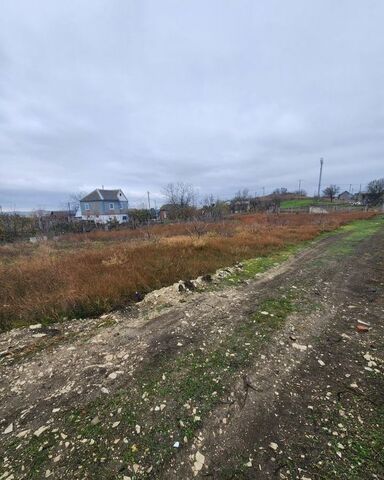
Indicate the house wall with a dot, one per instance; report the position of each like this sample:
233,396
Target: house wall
102,208
107,218
116,210
96,208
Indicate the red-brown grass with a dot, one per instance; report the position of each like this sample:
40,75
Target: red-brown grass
85,275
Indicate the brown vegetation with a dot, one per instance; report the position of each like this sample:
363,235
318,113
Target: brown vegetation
85,275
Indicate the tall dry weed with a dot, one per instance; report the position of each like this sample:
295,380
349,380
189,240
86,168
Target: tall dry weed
80,277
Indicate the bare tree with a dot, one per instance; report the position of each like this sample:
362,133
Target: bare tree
242,195
180,194
331,191
214,208
74,200
375,192
180,199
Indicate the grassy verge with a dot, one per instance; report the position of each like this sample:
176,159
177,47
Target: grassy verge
256,266
355,232
305,202
134,431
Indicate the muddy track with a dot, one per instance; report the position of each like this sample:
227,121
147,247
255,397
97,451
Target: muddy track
265,427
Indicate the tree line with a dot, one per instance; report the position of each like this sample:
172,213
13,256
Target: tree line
180,205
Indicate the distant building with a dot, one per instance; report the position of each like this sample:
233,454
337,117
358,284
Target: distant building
61,215
345,196
164,211
103,206
240,206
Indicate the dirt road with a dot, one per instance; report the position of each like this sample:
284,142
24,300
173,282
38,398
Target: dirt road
244,378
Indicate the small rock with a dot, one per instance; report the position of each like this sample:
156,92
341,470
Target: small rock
139,296
189,285
35,327
361,328
302,348
9,429
199,462
40,430
176,445
95,420
273,446
115,424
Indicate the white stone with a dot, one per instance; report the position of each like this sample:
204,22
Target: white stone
35,327
9,429
302,348
40,430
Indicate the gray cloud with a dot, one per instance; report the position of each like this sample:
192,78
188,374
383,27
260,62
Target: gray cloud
223,94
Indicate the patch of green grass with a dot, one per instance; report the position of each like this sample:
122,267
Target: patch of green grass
255,266
38,451
362,456
301,202
355,233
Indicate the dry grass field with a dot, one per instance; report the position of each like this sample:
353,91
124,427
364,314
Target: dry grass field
88,274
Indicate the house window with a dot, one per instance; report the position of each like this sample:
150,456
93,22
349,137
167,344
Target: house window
111,206
87,206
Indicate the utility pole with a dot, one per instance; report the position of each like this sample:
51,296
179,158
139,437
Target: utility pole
263,191
350,187
299,187
320,174
149,202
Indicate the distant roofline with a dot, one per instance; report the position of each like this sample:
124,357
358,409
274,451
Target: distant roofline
102,197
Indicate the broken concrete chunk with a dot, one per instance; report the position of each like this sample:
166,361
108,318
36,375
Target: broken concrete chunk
199,463
9,429
35,327
302,348
40,430
95,420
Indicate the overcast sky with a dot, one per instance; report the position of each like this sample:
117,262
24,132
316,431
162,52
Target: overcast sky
223,94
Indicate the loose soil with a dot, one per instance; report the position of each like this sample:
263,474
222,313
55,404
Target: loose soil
243,378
